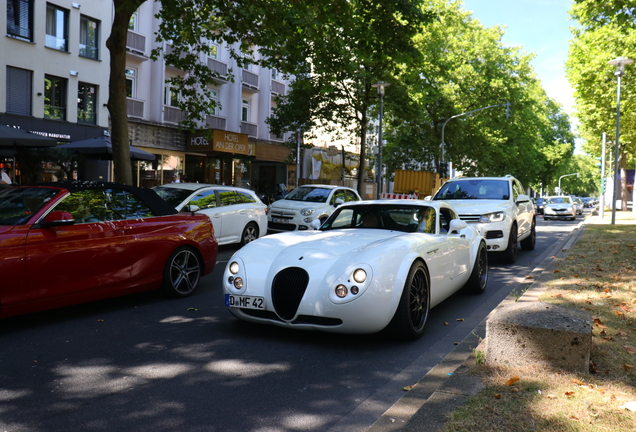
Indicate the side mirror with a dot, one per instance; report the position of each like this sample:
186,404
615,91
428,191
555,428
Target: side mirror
456,225
428,198
522,198
315,224
338,202
57,218
192,208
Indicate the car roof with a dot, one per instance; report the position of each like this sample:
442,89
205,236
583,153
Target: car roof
410,202
197,186
157,205
481,178
324,186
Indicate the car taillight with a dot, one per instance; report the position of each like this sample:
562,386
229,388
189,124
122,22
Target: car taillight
266,211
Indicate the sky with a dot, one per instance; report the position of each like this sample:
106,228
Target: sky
540,27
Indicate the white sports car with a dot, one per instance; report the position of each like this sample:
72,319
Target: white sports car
371,265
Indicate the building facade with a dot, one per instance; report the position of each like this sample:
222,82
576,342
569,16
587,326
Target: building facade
55,75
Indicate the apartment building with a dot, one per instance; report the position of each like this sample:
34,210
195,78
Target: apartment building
56,70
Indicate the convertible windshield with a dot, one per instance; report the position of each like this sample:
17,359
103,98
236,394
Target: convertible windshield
405,218
17,205
474,189
311,194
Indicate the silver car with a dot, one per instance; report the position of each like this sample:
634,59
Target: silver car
559,207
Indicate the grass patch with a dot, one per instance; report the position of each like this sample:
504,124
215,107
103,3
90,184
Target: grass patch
598,275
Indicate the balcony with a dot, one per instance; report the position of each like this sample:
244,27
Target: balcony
135,108
172,114
278,88
215,122
249,129
136,44
218,67
250,80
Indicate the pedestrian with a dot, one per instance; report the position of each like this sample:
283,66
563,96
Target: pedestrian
4,177
175,179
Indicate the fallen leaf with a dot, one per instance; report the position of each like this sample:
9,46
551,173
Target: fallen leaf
459,319
512,380
100,320
575,381
445,323
497,396
556,271
574,418
551,396
627,367
630,350
529,277
408,387
193,309
569,393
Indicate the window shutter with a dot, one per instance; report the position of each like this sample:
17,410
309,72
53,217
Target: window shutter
19,91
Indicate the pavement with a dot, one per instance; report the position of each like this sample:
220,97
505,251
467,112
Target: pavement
448,385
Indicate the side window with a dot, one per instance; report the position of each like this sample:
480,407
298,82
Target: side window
125,205
518,189
338,194
227,197
245,198
86,206
350,196
204,200
445,216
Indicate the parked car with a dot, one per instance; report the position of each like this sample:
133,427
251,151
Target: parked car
498,207
371,265
588,202
559,207
238,215
305,204
69,243
539,204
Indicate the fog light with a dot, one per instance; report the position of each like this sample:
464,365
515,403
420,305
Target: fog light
238,283
355,290
341,291
308,220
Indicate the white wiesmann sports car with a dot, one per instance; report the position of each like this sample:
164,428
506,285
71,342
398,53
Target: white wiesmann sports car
371,265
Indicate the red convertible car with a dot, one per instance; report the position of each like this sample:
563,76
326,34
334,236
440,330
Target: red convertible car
69,243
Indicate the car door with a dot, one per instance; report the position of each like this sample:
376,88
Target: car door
230,212
208,202
524,210
88,255
458,246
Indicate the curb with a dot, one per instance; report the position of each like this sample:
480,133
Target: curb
448,385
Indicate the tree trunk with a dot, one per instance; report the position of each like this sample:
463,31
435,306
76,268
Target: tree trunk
116,44
362,167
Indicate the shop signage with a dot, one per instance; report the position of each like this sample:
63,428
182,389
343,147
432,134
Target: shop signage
222,141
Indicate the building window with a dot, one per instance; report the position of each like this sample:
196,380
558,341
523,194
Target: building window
214,95
274,74
56,27
86,103
19,90
54,98
245,110
89,29
133,24
170,96
131,82
20,19
214,49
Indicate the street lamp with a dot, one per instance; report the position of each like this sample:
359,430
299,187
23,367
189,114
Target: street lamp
566,175
380,86
620,63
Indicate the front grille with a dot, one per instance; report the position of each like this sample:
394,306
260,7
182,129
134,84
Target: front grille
288,289
494,234
281,226
470,218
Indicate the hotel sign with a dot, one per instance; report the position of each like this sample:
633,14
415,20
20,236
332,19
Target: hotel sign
222,141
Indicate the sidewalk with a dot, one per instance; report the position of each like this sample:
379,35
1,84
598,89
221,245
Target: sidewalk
445,387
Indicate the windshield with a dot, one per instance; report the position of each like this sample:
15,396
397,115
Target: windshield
559,200
395,217
18,205
310,194
474,189
173,196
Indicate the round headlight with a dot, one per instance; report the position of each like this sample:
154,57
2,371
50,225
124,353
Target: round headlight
359,275
341,291
307,211
238,283
234,267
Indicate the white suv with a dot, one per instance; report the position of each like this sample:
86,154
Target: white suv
305,204
498,207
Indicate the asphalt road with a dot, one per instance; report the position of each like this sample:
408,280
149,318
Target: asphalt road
143,363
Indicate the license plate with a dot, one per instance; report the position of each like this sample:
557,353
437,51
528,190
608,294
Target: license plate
248,302
279,220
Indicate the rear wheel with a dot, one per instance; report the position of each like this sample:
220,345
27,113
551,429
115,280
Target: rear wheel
412,311
529,242
510,254
479,277
250,233
181,273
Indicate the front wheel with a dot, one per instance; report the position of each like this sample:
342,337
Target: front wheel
529,242
510,254
412,311
181,273
250,233
479,277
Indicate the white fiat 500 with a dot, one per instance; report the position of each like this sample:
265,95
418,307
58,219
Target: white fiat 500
237,214
372,265
305,204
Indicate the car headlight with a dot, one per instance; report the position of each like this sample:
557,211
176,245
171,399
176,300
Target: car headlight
570,208
307,211
359,275
492,217
234,268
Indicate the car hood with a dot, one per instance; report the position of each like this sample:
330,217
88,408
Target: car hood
478,207
296,205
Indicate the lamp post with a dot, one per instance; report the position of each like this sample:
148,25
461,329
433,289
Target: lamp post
380,86
566,175
620,63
